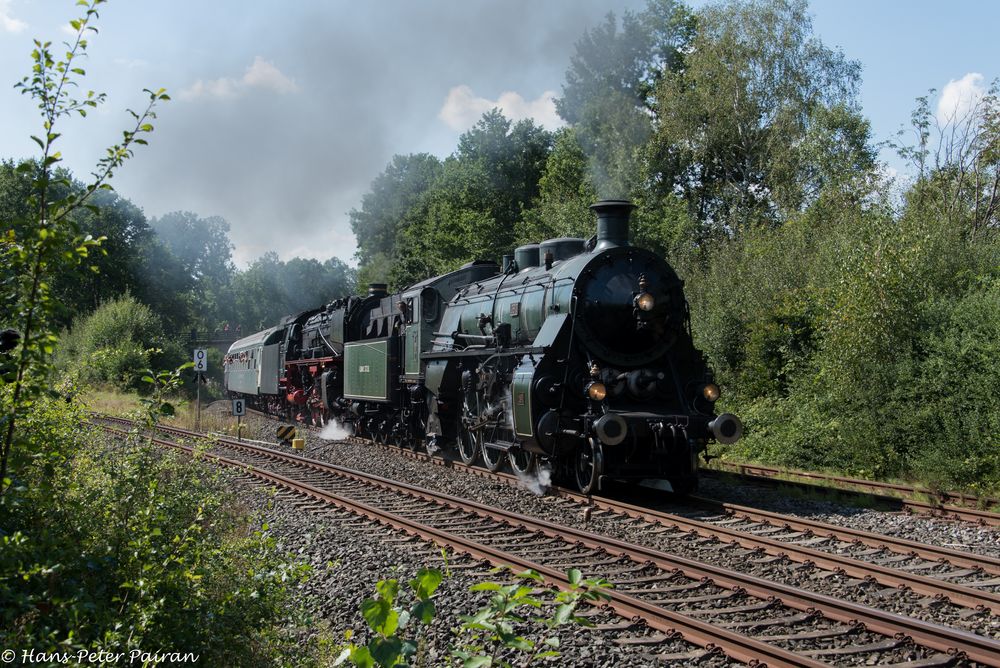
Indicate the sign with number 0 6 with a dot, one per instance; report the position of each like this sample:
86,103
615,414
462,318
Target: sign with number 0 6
200,359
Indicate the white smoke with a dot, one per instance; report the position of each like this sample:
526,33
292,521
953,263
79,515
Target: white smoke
334,431
537,482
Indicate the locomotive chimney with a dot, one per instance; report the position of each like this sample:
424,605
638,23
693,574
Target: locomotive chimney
612,222
378,289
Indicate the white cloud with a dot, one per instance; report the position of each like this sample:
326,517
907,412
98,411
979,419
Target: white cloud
261,74
959,97
7,22
462,109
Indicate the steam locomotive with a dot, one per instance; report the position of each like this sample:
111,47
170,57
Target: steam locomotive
573,353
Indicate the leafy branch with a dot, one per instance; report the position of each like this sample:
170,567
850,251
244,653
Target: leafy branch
56,240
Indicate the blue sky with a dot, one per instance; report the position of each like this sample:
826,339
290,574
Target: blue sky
283,113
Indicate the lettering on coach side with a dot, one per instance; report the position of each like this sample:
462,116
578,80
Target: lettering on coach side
364,368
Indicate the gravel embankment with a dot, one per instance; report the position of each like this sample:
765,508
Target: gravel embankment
955,534
349,555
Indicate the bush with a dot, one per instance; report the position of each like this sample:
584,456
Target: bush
115,343
856,341
954,399
117,546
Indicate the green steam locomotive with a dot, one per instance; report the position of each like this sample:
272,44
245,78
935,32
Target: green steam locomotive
573,354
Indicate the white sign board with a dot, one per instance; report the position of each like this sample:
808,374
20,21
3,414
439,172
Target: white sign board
200,360
239,407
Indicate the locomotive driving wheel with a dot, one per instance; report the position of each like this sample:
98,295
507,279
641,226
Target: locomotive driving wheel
493,457
588,464
380,432
522,461
468,445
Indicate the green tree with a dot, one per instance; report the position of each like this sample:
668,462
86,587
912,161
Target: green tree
760,117
270,289
385,208
204,251
565,193
957,160
122,262
607,96
473,207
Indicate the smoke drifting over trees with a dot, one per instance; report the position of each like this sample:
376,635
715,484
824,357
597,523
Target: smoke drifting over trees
851,319
832,301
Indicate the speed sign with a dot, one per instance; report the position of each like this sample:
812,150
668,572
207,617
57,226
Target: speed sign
239,407
200,359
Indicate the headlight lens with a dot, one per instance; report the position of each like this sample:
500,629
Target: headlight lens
645,301
597,391
711,392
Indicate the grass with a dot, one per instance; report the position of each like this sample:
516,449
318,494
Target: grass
111,402
119,403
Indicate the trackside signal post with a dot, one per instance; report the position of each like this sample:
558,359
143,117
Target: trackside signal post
239,410
200,367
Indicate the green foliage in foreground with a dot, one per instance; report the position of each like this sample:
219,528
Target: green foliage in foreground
112,544
511,625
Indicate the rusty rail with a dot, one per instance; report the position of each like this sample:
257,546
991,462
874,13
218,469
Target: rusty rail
942,639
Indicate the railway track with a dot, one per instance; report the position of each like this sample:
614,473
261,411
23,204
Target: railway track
749,618
906,497
968,580
962,578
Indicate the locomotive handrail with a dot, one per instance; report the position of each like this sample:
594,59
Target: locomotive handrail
328,344
445,354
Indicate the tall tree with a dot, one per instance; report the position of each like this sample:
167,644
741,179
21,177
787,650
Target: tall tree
565,193
610,83
472,209
120,265
736,125
957,160
204,251
201,244
385,208
270,289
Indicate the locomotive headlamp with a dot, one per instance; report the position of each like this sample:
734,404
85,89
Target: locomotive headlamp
711,392
645,301
597,391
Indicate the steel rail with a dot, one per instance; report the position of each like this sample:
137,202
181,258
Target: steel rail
871,488
958,558
737,646
909,490
958,594
929,635
925,550
944,639
955,593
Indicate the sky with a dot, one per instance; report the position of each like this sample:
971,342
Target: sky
283,113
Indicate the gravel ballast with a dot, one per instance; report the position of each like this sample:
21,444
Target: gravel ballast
388,464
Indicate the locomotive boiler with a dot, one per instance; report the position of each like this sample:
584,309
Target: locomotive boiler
576,354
